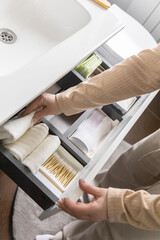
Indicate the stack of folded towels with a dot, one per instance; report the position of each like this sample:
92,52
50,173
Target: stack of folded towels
31,144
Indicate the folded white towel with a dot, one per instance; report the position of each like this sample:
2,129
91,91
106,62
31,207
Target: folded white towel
28,141
15,128
41,153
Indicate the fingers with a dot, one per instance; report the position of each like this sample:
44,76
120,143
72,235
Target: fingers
45,104
94,211
87,188
78,210
39,115
33,106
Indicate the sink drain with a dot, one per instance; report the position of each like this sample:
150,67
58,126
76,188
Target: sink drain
7,36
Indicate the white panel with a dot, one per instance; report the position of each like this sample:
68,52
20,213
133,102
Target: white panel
153,20
141,9
156,33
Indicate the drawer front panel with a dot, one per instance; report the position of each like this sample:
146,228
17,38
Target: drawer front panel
26,180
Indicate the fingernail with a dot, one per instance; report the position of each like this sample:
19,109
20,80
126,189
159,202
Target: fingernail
34,119
59,202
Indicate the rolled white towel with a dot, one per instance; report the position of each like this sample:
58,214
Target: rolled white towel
28,141
41,153
15,128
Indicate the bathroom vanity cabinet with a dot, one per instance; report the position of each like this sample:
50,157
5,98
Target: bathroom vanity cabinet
39,188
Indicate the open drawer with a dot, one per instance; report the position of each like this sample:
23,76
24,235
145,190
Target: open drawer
38,187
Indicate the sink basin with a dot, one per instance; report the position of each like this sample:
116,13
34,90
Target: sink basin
39,25
52,37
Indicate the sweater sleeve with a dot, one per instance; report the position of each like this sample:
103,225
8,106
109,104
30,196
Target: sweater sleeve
135,76
140,209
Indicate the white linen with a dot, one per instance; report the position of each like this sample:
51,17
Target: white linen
15,128
42,153
28,141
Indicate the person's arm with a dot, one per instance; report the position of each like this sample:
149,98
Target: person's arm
139,209
135,76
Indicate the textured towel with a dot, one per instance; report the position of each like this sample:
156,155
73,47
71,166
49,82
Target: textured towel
28,142
41,153
15,128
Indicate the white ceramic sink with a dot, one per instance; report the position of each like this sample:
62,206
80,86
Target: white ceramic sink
53,36
39,26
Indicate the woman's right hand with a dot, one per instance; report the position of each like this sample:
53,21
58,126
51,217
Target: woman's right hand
45,104
94,211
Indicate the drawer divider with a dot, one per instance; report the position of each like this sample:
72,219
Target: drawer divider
67,144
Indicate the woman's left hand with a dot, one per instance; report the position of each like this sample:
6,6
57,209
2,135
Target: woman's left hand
94,211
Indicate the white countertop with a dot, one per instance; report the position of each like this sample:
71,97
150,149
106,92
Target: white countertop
24,85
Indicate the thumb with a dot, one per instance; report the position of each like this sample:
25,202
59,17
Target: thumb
88,188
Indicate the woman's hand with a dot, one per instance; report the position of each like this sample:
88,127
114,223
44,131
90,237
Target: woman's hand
94,211
46,104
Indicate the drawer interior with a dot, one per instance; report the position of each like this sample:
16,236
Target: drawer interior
92,131
66,125
60,169
38,186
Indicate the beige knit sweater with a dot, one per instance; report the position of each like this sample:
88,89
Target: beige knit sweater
135,76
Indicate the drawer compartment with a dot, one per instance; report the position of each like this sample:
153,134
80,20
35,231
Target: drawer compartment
110,116
92,131
60,168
